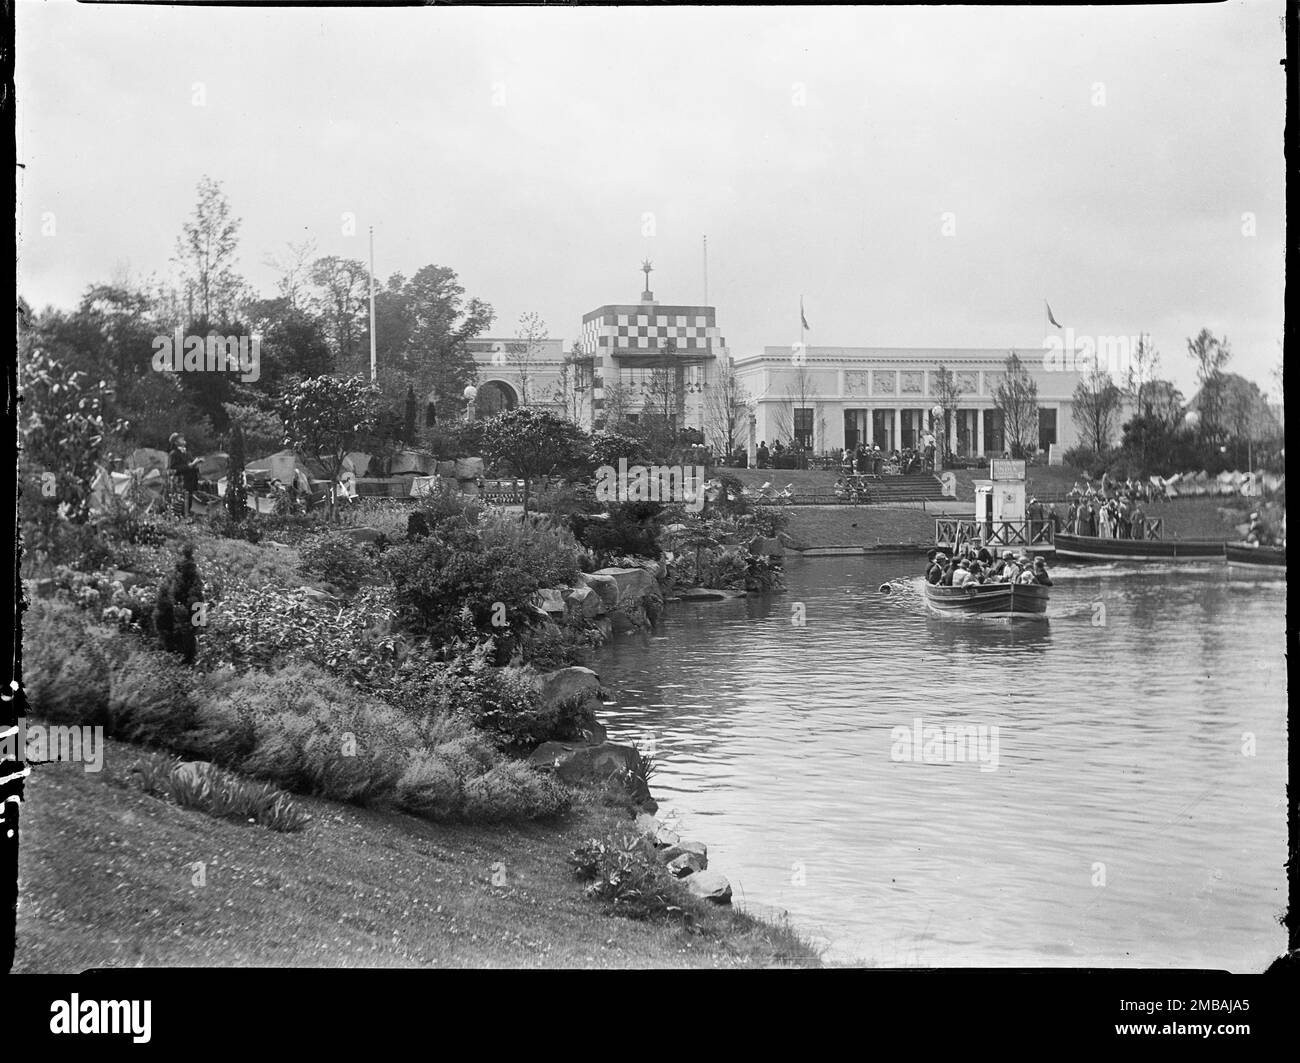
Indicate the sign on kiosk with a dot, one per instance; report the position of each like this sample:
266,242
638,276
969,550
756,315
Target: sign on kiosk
1007,469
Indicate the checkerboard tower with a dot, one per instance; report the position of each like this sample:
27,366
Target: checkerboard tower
629,342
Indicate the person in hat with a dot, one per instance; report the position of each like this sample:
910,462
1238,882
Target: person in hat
934,573
1040,572
183,468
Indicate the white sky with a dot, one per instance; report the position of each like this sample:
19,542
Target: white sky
1127,216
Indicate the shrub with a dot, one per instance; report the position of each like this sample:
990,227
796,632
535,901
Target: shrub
66,664
625,874
338,560
512,790
493,571
629,529
219,794
175,616
150,700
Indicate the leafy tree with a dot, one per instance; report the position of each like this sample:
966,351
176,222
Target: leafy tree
340,294
63,430
205,252
1210,355
326,417
532,443
424,325
1095,404
292,343
1017,397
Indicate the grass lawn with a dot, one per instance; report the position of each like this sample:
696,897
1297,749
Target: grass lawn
106,878
859,525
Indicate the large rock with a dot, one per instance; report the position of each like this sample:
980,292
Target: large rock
766,547
633,583
566,683
584,602
549,600
686,864
582,764
468,468
361,535
605,587
684,848
711,886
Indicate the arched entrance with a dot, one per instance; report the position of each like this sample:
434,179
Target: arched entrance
495,396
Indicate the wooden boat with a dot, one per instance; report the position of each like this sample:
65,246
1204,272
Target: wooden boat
1095,548
991,600
1249,558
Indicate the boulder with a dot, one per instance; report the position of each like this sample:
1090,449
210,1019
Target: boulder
566,683
684,848
605,588
766,547
549,600
632,583
625,620
686,864
666,838
446,468
584,602
710,886
707,594
361,535
578,764
469,468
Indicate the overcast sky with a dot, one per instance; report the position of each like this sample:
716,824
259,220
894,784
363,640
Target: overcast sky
1101,159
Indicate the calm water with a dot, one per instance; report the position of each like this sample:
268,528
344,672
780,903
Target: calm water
1124,824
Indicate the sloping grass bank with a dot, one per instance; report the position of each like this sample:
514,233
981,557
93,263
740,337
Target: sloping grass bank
108,876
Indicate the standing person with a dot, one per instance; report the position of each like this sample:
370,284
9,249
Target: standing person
763,454
183,467
1138,522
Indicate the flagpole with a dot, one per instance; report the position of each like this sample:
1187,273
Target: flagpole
372,304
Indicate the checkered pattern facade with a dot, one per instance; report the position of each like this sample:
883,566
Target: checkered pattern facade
623,338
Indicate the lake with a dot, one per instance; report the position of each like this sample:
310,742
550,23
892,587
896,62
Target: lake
1128,810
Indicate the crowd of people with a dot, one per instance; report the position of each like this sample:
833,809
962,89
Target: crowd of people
871,460
1109,512
978,564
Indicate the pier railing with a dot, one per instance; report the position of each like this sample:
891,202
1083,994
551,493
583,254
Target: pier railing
952,531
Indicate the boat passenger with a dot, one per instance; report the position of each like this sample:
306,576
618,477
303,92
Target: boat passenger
1027,576
1040,572
934,573
961,575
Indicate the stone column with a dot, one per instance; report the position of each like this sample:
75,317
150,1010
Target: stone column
979,431
752,449
950,440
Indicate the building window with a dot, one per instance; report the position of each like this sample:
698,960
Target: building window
803,427
1046,428
994,440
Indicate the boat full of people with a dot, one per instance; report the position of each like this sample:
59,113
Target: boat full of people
978,583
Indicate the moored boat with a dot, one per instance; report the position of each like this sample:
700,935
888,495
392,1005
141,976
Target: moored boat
1252,558
1097,548
992,600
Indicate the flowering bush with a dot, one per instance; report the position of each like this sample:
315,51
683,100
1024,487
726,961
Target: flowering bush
338,560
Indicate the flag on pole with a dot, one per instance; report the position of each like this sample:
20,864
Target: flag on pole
1049,314
803,320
